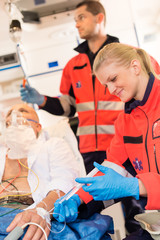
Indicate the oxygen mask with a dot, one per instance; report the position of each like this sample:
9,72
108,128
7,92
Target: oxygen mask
17,120
19,135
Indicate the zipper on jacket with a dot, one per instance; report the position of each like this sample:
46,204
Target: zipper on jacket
146,138
156,158
93,81
96,129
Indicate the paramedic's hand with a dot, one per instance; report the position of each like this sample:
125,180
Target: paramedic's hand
33,232
31,95
67,210
110,186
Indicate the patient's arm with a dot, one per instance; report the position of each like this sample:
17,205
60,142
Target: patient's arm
31,215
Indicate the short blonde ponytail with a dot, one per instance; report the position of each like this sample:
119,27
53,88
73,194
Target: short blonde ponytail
123,54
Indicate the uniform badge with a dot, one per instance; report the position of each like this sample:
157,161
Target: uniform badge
78,84
138,164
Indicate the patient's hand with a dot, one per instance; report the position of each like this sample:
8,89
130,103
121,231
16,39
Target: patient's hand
33,232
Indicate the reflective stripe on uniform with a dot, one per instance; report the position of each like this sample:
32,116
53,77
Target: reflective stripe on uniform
102,105
101,129
87,106
107,129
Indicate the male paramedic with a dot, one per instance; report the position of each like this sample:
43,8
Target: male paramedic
34,171
81,91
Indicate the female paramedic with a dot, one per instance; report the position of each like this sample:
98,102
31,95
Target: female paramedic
128,74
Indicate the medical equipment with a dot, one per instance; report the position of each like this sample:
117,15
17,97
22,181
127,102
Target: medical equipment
24,82
77,186
19,136
16,119
19,141
15,30
17,232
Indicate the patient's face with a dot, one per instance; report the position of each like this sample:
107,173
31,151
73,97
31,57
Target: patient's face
27,113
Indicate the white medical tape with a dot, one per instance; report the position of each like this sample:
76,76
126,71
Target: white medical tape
44,214
58,192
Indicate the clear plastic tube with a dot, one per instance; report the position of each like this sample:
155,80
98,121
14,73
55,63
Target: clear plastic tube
77,186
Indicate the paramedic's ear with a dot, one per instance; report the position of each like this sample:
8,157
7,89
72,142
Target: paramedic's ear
135,64
100,18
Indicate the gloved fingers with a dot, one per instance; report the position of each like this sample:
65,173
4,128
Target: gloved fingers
67,213
25,98
74,215
73,207
77,199
56,211
23,90
57,206
59,213
70,213
27,87
24,95
62,213
85,180
94,194
87,188
101,168
98,198
21,87
92,189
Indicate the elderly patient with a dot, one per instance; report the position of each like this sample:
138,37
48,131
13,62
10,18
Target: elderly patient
34,171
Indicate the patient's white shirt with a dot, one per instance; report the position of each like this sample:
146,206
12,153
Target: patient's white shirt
53,162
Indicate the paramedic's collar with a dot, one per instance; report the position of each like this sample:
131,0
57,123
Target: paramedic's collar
129,106
83,47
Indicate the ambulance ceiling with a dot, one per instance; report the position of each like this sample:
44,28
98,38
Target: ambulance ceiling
145,15
43,8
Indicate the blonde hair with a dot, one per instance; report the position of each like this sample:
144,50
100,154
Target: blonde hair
122,55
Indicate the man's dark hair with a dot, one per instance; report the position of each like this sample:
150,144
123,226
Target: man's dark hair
93,7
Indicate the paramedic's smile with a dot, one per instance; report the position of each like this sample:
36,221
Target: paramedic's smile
120,82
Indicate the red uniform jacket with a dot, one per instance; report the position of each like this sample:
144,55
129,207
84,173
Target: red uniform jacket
82,93
97,109
137,138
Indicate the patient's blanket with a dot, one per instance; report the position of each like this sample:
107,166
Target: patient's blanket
96,227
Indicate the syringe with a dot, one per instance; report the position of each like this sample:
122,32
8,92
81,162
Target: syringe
77,186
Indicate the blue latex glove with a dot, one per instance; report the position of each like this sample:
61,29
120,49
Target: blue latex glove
67,210
110,186
31,95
